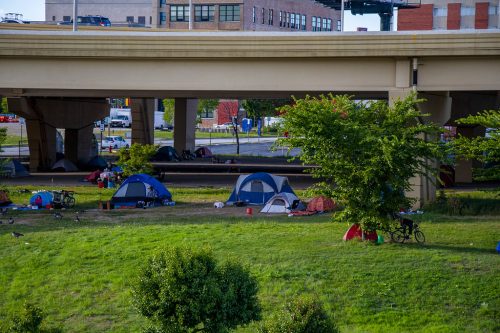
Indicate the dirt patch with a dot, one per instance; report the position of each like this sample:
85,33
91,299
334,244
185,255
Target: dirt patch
184,210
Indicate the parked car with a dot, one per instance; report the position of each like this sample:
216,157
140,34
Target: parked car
89,20
114,142
121,121
225,126
15,21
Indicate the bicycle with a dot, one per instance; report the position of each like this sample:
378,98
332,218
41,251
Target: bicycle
64,198
402,234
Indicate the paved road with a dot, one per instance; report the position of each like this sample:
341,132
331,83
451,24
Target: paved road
219,146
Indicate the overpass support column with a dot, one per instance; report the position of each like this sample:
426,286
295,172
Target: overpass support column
41,135
44,115
79,146
143,121
185,124
438,105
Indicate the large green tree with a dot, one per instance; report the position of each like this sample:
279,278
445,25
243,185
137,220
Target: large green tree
4,106
258,108
184,290
485,149
3,137
366,153
169,107
206,105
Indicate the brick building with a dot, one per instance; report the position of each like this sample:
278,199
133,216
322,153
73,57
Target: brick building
451,15
252,15
118,11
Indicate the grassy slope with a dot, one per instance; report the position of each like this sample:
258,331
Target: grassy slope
80,274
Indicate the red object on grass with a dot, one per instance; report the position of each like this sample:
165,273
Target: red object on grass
355,232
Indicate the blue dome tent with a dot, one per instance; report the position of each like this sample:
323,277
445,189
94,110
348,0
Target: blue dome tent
46,197
141,190
258,188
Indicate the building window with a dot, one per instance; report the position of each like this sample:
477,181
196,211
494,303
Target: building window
313,23
287,24
141,20
163,17
150,20
329,25
303,22
204,13
254,15
281,18
66,18
53,18
163,3
323,26
207,113
229,13
467,11
263,14
318,24
440,12
179,13
339,25
292,20
492,10
270,19
130,19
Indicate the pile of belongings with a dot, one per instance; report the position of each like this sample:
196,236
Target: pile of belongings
317,205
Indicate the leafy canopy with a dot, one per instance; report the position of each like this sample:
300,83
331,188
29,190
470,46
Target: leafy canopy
4,106
169,107
136,159
3,137
258,108
366,152
484,149
184,290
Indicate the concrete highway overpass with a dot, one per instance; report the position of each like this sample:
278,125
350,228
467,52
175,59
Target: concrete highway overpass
60,79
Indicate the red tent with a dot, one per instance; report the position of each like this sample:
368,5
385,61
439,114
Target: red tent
4,199
355,232
92,177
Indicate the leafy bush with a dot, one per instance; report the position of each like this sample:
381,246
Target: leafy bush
366,153
181,290
301,315
30,321
486,202
136,159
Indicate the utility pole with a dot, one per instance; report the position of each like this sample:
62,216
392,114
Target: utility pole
342,16
75,10
190,15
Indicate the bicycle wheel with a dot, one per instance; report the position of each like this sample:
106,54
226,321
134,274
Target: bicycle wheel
69,202
419,236
398,235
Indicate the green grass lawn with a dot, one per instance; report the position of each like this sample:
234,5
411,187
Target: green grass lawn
13,140
80,274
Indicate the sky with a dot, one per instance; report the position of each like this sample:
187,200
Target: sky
34,10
